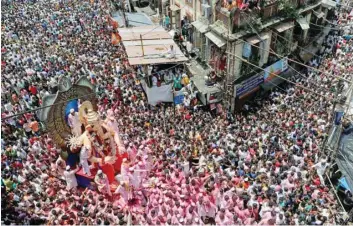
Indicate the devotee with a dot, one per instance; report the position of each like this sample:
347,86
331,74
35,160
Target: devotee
70,177
84,156
74,122
102,182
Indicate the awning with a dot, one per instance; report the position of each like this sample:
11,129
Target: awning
152,48
319,15
152,54
256,39
284,26
135,19
216,39
328,4
303,23
200,26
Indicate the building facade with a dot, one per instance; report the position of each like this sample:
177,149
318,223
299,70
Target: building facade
257,31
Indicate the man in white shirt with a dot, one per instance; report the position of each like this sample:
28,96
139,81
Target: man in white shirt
84,156
171,52
74,123
70,178
320,169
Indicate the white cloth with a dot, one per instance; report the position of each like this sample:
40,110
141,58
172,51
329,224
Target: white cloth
75,124
124,192
84,156
154,80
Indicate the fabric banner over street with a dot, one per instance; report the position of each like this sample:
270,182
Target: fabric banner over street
156,94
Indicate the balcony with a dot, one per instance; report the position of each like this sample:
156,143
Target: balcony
223,15
258,16
269,10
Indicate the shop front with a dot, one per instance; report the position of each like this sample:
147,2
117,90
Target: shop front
246,89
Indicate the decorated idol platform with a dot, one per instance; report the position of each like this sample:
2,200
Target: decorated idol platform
93,146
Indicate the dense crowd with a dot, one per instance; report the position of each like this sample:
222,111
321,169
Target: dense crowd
262,166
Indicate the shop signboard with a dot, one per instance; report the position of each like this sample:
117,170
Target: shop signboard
249,84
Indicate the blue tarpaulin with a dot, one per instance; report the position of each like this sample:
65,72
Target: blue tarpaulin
338,117
179,99
343,183
246,50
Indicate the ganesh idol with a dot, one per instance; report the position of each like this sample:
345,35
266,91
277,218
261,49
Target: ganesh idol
99,143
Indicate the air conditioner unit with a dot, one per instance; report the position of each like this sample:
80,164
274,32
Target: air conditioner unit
206,10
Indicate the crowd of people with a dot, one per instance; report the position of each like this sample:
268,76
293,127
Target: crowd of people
262,166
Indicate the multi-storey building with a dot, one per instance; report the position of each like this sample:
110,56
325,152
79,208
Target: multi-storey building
260,31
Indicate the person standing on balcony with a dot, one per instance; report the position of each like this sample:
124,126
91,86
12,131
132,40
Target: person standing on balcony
184,21
166,22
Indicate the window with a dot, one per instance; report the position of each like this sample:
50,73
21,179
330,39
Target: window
279,44
255,54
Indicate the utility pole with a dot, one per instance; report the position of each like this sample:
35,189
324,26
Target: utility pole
143,51
227,86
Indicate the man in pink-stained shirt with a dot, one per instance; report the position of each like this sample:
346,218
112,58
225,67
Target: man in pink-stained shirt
226,202
175,218
271,215
222,219
132,151
191,213
163,213
178,178
247,212
270,221
124,190
178,208
153,216
209,209
124,168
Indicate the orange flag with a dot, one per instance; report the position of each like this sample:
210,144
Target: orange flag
114,23
116,38
239,3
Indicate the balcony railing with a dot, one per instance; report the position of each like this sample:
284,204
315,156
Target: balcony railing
257,14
